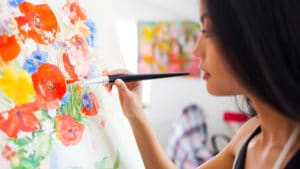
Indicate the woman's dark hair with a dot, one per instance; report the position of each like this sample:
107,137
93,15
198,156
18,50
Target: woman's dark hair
261,42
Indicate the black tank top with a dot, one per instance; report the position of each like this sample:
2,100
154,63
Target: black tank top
294,163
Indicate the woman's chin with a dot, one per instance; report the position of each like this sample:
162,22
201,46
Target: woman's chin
221,91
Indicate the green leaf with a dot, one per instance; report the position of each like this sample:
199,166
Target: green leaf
117,162
101,164
41,115
42,146
22,141
73,107
25,164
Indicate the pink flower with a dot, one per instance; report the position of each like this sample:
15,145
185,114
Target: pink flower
8,153
74,11
68,131
75,58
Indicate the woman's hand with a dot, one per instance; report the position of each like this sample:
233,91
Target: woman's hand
129,95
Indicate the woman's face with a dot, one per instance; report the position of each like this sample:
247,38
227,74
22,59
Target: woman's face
217,73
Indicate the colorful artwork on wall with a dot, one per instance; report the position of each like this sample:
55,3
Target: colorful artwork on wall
167,47
44,121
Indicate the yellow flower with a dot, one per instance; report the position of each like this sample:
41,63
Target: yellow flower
16,85
148,33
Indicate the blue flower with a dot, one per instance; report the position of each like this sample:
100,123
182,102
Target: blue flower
14,3
30,65
34,61
66,98
92,39
87,101
40,56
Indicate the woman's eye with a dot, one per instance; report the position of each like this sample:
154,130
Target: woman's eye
207,33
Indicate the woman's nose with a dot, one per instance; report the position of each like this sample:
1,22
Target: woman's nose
198,49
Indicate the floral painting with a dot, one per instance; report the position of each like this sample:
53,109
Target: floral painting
168,47
44,118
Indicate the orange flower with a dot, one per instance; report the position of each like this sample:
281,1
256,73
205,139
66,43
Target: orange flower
20,118
68,131
49,84
39,23
9,48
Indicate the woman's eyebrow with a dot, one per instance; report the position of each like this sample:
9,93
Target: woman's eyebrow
202,18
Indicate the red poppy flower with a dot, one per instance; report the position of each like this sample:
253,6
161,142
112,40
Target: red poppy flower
74,11
39,23
68,131
49,84
90,104
9,48
20,118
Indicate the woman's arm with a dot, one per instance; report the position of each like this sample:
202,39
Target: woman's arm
152,153
223,160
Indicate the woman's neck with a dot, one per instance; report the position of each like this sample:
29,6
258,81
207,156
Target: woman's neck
275,126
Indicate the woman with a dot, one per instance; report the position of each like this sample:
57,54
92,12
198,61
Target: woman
250,48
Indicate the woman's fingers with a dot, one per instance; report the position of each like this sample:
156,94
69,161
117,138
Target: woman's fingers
122,87
130,85
113,72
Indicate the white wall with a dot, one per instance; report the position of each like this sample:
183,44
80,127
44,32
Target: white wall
166,98
118,131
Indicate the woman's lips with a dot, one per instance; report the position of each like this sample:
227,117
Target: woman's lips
206,75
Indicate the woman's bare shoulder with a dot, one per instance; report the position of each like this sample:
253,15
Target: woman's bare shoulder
243,133
226,157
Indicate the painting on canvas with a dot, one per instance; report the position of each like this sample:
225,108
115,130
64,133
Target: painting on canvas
45,121
167,47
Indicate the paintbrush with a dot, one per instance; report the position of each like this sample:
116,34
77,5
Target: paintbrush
125,78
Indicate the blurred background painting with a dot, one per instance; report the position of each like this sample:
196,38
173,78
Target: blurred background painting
168,47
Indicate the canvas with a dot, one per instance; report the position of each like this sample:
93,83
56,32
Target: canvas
45,120
168,47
